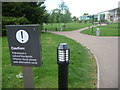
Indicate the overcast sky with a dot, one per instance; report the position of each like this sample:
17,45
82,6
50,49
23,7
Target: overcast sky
78,7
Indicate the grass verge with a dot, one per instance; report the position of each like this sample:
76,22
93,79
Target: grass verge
82,67
107,30
69,26
0,62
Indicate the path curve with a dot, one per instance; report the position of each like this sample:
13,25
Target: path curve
105,50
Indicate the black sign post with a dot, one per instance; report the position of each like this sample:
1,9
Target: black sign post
25,49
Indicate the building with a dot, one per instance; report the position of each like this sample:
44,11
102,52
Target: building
86,17
109,15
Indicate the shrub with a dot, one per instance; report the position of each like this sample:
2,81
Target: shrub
12,21
21,21
7,21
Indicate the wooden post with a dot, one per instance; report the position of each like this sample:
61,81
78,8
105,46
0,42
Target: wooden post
28,77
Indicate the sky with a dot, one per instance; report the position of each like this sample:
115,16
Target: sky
79,7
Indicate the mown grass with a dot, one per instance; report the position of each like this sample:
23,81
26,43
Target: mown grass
69,26
107,30
82,67
0,62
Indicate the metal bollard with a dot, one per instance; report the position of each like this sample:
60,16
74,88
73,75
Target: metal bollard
61,29
98,32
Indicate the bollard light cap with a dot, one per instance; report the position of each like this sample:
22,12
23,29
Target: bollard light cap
63,46
63,53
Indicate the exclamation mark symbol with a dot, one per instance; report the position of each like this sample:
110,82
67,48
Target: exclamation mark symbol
22,36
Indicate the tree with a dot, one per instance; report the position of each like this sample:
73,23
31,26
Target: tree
32,11
65,13
63,7
23,13
75,18
55,16
46,17
61,14
66,17
85,14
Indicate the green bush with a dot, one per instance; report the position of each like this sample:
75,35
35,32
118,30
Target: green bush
21,21
12,21
7,21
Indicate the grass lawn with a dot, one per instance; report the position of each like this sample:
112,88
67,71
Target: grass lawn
82,67
0,62
69,26
108,30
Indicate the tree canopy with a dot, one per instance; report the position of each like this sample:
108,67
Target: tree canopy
19,13
85,14
32,11
61,14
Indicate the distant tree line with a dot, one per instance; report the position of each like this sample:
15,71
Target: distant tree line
19,13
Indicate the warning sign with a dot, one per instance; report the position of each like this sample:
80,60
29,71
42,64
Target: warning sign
24,45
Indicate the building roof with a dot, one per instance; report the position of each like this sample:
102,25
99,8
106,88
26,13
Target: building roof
109,10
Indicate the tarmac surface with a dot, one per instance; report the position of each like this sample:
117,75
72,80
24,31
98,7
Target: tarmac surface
105,49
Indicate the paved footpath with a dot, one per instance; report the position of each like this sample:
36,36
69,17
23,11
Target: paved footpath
105,50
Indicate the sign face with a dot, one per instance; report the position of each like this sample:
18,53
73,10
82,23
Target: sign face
24,45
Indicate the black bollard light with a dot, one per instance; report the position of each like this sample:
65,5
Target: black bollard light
63,57
92,28
56,29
